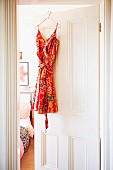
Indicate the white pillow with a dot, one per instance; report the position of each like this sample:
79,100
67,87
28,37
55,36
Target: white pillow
24,110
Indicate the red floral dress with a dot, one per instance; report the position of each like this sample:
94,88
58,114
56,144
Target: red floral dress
44,94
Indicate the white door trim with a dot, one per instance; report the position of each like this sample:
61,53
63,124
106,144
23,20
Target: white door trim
107,83
105,86
111,89
10,48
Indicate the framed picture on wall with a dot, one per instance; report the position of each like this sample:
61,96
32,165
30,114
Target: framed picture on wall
20,55
24,73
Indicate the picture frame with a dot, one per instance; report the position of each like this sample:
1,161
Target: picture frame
24,73
20,55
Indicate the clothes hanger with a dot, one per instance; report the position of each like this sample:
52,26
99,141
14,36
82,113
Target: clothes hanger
49,17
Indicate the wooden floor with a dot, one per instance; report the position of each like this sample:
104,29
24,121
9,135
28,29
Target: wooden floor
27,161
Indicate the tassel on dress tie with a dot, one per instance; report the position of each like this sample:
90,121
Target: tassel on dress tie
46,121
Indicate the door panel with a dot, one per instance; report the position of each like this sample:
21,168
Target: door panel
71,141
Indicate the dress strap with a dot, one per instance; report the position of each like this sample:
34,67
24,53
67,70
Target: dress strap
56,25
38,27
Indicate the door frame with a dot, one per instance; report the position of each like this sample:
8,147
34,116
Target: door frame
105,84
15,122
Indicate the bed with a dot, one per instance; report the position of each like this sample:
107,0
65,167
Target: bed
26,127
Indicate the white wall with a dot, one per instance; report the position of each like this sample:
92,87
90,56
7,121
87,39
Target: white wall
27,46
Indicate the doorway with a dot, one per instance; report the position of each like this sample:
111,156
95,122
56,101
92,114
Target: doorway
54,135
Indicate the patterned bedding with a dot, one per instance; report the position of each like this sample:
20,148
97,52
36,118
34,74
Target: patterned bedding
25,137
26,132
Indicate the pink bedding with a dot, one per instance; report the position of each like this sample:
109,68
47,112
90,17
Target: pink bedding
21,148
30,130
26,124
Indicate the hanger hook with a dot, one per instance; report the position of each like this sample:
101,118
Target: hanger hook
49,14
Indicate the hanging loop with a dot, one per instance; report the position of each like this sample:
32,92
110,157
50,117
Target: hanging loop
49,14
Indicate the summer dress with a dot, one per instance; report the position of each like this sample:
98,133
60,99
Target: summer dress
44,94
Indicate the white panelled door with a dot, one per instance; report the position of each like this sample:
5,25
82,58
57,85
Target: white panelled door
71,142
